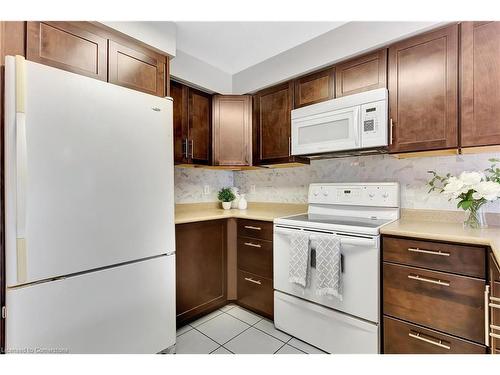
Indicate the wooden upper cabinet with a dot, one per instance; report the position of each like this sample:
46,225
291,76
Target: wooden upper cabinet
232,129
362,73
423,91
480,83
314,88
137,68
71,46
200,126
179,94
272,129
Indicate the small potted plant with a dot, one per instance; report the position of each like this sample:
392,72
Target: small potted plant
226,196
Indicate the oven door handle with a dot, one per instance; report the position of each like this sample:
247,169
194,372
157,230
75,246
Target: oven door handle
345,240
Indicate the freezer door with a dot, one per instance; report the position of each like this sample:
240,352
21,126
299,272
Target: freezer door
94,186
125,309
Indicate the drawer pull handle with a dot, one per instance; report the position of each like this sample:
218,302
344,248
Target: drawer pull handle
433,341
252,227
428,280
494,327
252,244
249,279
494,299
495,306
433,252
495,335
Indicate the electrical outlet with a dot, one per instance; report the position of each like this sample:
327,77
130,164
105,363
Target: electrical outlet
252,189
206,189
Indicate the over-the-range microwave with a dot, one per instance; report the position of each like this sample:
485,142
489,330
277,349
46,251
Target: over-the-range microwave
352,123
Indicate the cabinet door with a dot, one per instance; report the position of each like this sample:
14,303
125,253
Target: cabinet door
494,305
314,88
272,108
71,46
423,91
480,83
232,129
179,94
363,73
136,68
200,268
200,127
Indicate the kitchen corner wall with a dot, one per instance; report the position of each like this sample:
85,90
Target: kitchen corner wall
289,185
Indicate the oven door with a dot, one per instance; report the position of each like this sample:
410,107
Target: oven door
360,273
326,132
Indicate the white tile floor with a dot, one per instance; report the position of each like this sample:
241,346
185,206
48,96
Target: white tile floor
234,330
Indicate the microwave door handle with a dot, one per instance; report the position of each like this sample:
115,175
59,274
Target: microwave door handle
356,125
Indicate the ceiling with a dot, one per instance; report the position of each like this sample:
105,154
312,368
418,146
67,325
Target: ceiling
235,46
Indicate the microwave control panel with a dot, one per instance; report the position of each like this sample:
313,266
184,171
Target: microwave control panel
374,124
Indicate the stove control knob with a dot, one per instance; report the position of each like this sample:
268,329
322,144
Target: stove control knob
325,193
315,193
371,195
385,195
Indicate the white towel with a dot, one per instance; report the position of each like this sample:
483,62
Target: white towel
299,258
328,265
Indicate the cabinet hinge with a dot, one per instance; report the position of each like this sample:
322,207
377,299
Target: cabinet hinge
4,312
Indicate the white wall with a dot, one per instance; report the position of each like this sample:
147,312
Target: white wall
160,35
348,40
199,73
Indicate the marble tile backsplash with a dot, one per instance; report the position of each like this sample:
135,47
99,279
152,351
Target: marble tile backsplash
289,185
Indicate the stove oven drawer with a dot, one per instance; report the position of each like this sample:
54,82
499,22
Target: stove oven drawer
255,229
405,338
442,301
461,259
256,293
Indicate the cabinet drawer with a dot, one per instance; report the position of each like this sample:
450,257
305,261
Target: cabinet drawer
405,338
255,256
255,229
464,260
256,293
446,302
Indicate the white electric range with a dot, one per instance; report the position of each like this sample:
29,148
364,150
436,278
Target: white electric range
355,212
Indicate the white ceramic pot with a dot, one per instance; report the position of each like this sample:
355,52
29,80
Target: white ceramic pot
226,205
242,203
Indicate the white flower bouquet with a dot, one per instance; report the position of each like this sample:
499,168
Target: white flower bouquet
471,189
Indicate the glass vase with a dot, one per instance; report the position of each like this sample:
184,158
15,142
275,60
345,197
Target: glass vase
475,217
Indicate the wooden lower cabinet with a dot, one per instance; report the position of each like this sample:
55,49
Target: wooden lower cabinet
405,338
256,293
494,304
255,266
430,302
201,268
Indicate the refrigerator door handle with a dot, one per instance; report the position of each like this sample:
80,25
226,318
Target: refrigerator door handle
21,169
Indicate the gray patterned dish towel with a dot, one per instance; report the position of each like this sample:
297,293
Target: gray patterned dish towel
328,265
298,266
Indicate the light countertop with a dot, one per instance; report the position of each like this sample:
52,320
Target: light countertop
419,227
189,213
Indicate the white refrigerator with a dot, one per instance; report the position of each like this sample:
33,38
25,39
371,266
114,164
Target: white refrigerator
90,247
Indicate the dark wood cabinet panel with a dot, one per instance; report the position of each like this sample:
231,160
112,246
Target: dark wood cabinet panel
256,293
461,259
136,68
255,256
200,126
494,301
314,88
71,46
441,301
405,338
232,129
363,73
272,124
480,83
201,268
423,91
179,94
255,229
